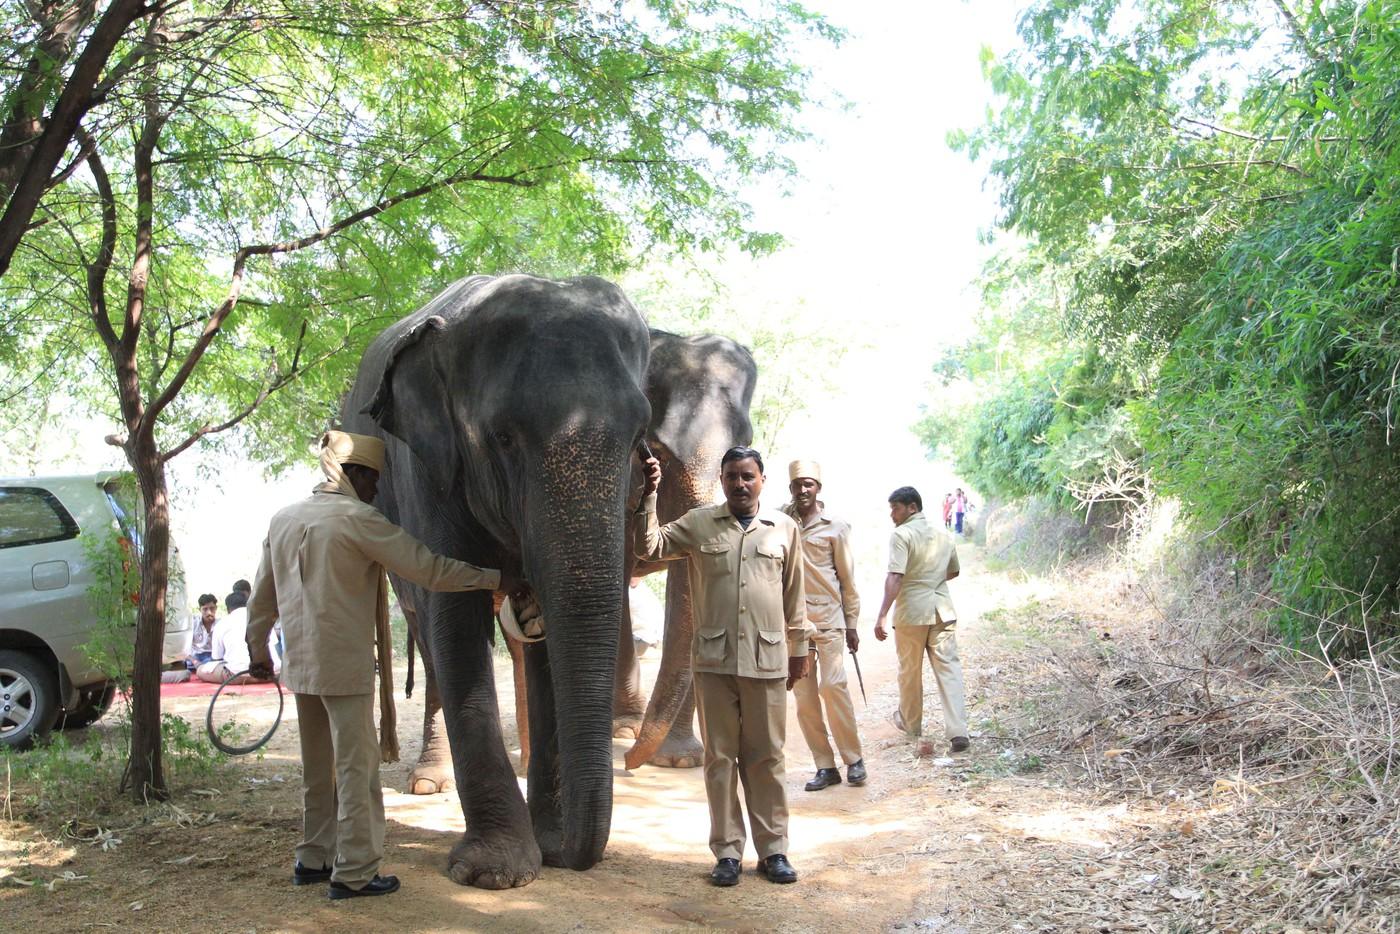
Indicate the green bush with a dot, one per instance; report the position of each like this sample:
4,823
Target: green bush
1039,429
1274,417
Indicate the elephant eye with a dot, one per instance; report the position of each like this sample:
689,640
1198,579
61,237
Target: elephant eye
502,438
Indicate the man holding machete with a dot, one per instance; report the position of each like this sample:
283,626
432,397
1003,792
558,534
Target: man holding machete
833,608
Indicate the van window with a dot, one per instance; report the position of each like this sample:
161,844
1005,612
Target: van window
32,516
124,502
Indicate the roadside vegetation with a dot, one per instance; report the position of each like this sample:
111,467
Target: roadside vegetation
1197,293
1183,392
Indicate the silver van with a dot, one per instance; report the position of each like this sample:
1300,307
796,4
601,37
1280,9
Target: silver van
48,527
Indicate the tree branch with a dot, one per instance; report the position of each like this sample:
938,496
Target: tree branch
1184,166
36,81
68,111
1298,33
98,269
240,263
1258,139
268,389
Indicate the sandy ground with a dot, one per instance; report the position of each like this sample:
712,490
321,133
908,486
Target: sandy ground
930,843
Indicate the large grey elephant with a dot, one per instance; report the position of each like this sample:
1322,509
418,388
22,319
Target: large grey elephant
510,408
700,389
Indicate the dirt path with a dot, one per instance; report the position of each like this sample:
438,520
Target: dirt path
928,844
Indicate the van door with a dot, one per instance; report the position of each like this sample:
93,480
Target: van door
40,563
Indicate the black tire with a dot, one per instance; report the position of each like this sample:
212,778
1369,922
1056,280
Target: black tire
93,702
28,699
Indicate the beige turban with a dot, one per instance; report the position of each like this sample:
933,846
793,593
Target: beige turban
341,447
810,469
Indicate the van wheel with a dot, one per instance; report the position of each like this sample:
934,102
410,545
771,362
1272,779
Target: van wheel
93,703
28,699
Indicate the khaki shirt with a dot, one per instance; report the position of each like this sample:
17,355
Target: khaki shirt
924,555
322,563
745,584
829,575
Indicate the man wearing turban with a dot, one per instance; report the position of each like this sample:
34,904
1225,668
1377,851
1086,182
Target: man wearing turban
322,576
833,608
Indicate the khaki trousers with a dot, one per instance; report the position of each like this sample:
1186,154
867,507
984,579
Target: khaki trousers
827,686
940,642
341,799
743,722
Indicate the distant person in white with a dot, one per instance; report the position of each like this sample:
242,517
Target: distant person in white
230,648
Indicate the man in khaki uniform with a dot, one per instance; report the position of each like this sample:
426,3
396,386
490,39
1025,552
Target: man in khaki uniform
833,608
922,561
750,641
322,575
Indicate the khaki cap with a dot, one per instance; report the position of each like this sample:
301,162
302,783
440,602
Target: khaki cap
347,448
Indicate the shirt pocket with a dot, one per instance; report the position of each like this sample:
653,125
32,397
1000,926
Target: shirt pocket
772,650
709,647
714,558
768,562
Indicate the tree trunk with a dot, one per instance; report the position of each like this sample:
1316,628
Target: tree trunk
145,771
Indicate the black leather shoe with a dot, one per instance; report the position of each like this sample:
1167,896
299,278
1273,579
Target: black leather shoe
303,876
824,779
856,773
726,872
960,743
776,868
379,885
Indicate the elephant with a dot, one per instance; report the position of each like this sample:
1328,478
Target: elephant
510,408
700,389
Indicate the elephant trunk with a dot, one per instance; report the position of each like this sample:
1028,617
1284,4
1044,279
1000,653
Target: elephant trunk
578,580
582,654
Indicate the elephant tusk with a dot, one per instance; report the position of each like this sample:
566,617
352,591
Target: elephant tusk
512,626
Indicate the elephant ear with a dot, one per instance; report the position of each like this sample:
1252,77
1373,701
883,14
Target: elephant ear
409,397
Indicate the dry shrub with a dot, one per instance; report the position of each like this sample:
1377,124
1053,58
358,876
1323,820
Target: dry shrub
1037,535
1168,689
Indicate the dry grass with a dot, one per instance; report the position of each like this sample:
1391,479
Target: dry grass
1273,776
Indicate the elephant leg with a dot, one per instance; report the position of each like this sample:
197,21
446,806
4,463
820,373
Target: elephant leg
498,849
681,749
433,771
629,704
522,701
546,809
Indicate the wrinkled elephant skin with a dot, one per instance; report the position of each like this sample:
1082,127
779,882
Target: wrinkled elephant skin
510,408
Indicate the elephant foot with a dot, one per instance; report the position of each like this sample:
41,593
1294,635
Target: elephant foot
627,726
502,863
683,753
430,779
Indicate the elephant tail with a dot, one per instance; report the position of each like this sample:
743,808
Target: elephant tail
408,680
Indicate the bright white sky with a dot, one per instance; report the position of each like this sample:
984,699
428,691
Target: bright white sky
883,233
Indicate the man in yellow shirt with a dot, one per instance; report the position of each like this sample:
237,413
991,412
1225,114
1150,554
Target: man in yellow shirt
833,609
922,561
751,635
322,575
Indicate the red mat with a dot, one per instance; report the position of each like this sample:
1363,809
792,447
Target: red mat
198,688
